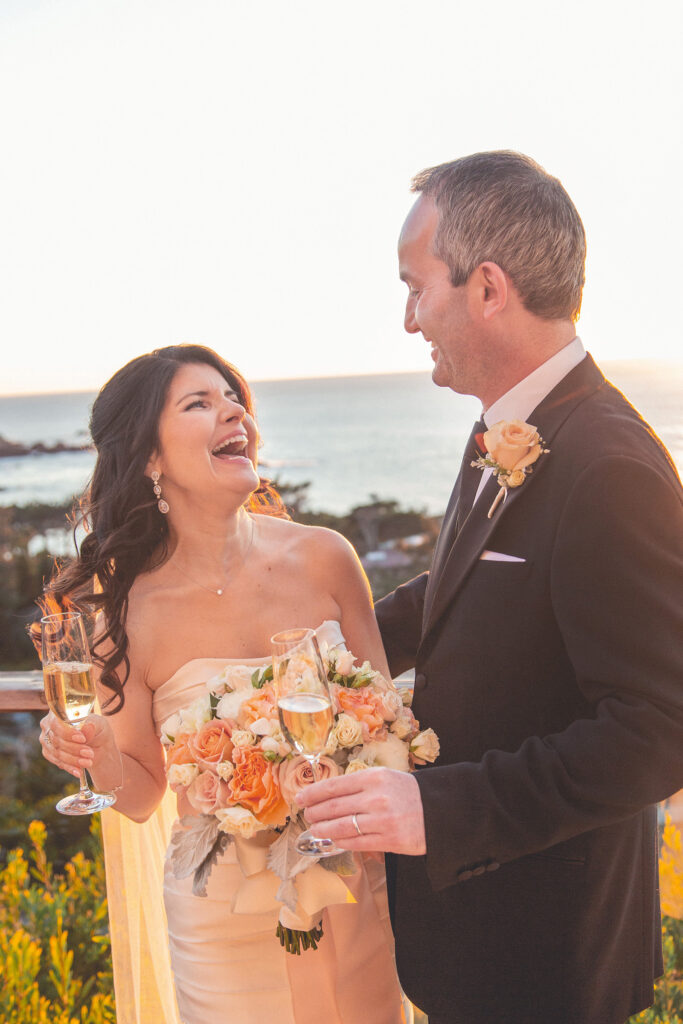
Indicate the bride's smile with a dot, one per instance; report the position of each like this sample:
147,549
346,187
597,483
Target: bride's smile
206,438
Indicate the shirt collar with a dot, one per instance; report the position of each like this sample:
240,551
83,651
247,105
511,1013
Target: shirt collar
521,400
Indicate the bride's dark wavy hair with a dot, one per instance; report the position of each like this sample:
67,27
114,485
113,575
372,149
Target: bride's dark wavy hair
125,534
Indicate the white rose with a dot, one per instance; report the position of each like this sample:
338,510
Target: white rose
194,716
243,738
355,766
219,683
344,665
348,731
229,705
238,821
239,677
169,729
269,744
182,775
388,753
225,770
404,725
261,727
331,745
425,746
392,704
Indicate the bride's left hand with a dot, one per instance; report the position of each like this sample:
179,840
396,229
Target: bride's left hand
387,806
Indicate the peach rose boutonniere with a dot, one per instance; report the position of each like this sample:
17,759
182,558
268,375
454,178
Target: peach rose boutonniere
511,449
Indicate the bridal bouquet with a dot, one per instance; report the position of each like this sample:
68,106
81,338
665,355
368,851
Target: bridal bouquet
227,754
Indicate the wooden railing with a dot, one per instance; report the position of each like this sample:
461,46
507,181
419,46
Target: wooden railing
22,691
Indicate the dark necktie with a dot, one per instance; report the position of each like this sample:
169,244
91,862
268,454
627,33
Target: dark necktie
470,478
458,509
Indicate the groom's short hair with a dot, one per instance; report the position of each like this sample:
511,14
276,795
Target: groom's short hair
504,208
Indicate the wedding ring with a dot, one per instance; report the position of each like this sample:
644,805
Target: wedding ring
354,819
48,737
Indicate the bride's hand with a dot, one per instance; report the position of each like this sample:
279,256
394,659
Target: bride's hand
71,749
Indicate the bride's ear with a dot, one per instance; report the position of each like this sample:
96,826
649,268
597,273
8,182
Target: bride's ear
152,465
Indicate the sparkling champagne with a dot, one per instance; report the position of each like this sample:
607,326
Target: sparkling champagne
306,719
69,690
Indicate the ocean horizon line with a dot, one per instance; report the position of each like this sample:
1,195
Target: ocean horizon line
653,365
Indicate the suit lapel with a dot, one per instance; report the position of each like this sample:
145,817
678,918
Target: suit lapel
455,565
441,551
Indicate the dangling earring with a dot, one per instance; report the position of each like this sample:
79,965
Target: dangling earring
162,505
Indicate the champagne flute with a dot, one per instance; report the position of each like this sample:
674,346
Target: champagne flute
70,693
305,710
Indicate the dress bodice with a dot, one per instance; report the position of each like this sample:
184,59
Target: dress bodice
189,681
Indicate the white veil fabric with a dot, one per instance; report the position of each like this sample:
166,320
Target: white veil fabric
134,861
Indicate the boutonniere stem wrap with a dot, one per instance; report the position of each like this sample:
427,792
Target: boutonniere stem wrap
511,449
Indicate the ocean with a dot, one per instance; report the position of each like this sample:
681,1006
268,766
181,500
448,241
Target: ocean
393,436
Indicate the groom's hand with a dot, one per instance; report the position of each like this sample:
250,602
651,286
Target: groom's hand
386,804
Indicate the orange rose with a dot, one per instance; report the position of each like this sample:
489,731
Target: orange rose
212,744
261,705
179,753
365,706
254,786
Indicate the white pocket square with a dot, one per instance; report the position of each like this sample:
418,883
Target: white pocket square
498,556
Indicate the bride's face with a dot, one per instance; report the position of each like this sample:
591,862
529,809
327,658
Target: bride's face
207,442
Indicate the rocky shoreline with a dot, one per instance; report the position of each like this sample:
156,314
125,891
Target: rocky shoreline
10,449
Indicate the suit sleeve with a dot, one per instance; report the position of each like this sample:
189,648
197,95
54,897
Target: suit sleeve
399,616
616,586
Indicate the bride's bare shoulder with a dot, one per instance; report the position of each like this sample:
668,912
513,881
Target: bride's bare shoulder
315,543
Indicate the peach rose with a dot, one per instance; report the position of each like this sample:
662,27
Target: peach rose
364,705
513,444
212,744
254,785
296,772
207,793
179,753
261,705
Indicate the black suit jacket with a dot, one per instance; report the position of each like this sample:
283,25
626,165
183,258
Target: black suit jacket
556,687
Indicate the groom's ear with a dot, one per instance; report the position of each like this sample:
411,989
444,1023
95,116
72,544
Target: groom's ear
493,287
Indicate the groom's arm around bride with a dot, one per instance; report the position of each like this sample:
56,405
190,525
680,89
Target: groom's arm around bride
546,639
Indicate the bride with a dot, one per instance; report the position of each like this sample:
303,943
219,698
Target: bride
192,564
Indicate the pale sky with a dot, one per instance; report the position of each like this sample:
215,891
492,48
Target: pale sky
236,174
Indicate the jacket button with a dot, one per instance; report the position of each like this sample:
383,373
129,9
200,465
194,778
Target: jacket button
463,876
492,866
420,681
479,870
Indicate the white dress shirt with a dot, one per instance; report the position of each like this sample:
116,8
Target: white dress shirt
521,400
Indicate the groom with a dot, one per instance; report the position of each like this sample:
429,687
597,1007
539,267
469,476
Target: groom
546,638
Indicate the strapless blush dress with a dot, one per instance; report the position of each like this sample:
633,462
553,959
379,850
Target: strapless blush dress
229,966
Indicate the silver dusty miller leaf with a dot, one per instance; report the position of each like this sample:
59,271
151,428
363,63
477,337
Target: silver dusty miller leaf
283,857
195,848
201,875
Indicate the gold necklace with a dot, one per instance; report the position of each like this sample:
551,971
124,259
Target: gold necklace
219,591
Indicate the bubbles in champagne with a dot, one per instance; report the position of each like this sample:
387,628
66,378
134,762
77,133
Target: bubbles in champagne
306,719
69,690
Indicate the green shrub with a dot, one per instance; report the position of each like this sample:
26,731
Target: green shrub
55,957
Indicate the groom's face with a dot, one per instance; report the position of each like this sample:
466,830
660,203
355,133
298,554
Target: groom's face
434,307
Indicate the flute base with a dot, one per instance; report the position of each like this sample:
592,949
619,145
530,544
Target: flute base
85,802
313,846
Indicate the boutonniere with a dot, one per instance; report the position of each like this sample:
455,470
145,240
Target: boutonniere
510,449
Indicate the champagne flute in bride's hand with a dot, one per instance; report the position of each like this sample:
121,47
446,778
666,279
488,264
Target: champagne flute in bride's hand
70,693
305,709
